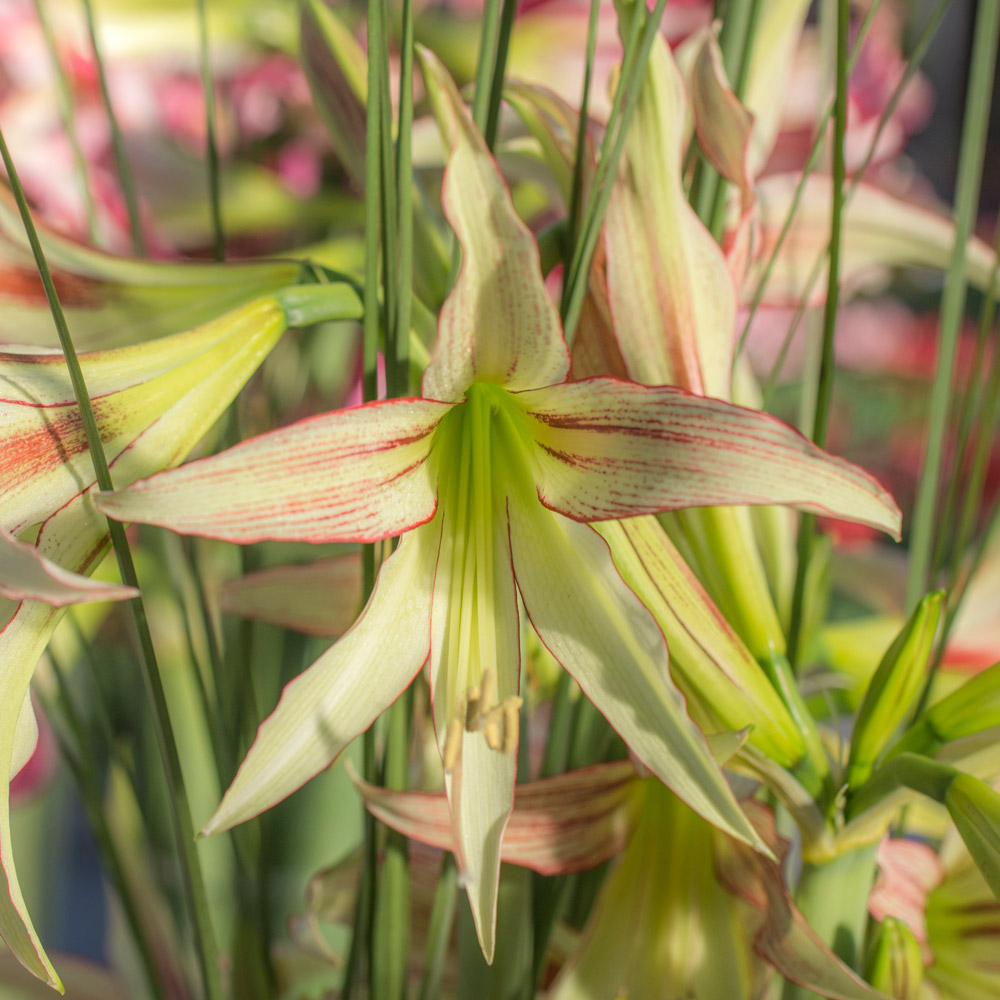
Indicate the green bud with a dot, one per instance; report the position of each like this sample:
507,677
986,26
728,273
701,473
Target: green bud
894,688
895,964
975,810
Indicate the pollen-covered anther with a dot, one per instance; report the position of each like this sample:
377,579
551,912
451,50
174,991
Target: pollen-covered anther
502,725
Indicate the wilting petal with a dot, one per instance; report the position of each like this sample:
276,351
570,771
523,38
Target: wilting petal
320,598
345,690
672,298
775,42
879,231
153,403
605,637
351,475
25,574
498,324
725,132
563,824
474,674
611,449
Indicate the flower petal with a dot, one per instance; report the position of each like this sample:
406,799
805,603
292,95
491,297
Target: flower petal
605,637
25,574
671,294
475,646
879,231
498,324
563,824
611,449
345,690
320,598
351,475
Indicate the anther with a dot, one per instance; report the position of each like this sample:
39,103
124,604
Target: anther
473,709
488,698
511,723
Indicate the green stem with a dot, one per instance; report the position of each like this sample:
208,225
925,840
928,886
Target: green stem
398,366
211,143
194,886
637,50
970,166
439,930
507,14
117,142
807,526
833,897
485,63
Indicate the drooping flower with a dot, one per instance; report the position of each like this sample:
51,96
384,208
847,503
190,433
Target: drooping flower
491,477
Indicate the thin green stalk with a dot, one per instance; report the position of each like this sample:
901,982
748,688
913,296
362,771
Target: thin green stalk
379,38
807,525
359,955
484,66
580,149
194,885
67,113
439,930
90,796
507,14
626,97
809,167
970,166
117,142
398,366
211,143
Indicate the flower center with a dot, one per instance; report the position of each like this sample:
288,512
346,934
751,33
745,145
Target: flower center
482,457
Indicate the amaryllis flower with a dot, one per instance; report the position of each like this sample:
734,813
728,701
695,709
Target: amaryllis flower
491,477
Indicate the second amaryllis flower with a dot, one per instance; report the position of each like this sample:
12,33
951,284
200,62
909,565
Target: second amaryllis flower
491,477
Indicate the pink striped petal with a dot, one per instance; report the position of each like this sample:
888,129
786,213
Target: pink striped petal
345,690
356,475
25,574
610,449
563,824
320,598
498,324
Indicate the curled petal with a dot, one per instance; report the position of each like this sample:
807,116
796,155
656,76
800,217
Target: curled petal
25,574
352,475
345,690
610,449
498,324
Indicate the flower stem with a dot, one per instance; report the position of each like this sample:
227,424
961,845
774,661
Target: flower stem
211,141
833,897
970,167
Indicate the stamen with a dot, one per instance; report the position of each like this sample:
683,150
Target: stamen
472,709
493,730
488,699
511,723
452,744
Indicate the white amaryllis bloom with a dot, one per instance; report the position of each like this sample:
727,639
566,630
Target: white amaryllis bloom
490,478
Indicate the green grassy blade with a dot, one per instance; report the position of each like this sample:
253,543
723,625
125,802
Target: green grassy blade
970,166
211,143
